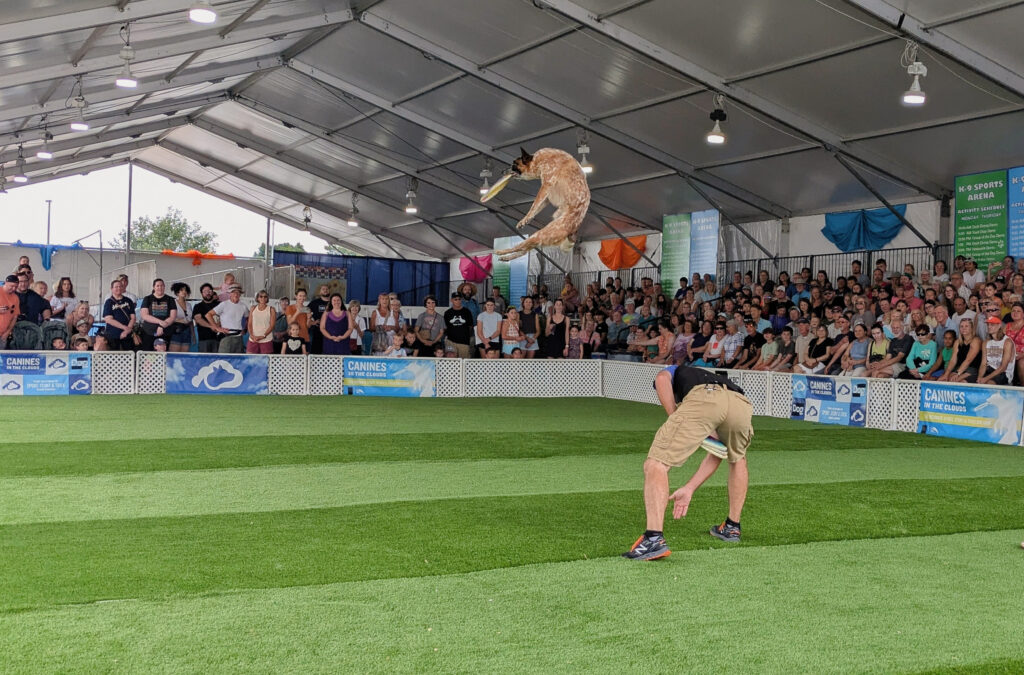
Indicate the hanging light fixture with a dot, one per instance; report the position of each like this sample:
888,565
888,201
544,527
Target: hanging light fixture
20,176
353,221
716,136
913,96
410,194
583,150
126,80
307,215
485,187
44,152
79,103
202,12
3,179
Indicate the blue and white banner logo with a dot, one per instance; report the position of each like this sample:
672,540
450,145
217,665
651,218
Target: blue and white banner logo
45,374
217,374
991,414
410,378
830,400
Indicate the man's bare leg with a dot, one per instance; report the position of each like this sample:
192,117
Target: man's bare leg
738,479
655,493
683,495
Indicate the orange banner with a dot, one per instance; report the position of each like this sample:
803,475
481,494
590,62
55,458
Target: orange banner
616,254
198,257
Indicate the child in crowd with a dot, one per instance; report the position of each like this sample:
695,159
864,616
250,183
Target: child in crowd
80,343
412,345
397,347
492,352
58,344
294,344
517,353
574,345
159,345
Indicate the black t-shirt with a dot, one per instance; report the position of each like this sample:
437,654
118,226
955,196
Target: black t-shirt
159,308
774,305
317,307
685,379
459,323
202,309
32,306
901,345
122,310
752,343
818,349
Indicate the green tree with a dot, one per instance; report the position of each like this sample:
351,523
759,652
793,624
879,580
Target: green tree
172,231
337,249
262,250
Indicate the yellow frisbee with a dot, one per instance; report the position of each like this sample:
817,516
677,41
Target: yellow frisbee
497,187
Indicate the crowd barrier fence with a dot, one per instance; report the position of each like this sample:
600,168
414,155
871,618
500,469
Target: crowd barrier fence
889,404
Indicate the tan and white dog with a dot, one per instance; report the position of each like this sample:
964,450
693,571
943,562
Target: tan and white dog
563,185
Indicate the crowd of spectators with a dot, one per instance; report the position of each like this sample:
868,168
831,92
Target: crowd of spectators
961,325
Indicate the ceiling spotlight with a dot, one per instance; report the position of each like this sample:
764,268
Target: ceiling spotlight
410,194
307,216
44,152
125,79
201,12
353,220
486,174
716,136
20,176
913,96
583,150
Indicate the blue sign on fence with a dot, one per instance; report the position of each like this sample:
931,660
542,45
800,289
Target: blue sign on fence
991,414
410,378
830,400
45,374
217,374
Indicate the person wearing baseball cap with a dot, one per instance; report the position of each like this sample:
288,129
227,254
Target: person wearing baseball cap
10,308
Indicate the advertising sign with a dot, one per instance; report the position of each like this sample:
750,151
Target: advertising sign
1015,216
675,249
45,373
991,414
981,216
830,400
217,374
409,378
511,276
703,243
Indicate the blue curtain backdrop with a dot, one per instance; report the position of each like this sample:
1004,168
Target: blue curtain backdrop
412,280
863,230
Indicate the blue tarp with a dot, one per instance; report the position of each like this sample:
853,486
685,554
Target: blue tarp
46,252
864,230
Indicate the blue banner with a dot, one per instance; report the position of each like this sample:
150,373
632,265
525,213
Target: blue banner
45,373
704,242
217,373
1015,215
410,378
830,400
990,414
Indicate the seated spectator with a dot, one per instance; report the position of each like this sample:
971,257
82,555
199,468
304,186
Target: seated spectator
817,353
58,344
699,343
923,354
945,355
680,346
733,344
100,343
855,359
896,357
968,351
769,350
492,353
570,296
397,348
997,366
786,356
752,344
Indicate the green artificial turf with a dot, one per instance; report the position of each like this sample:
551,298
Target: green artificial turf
291,534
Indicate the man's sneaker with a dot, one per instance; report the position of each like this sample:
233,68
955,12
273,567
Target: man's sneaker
715,447
726,532
648,548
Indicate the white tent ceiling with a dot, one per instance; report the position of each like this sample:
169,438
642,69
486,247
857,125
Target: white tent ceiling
284,104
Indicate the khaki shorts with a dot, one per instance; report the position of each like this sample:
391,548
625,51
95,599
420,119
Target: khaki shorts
462,350
706,409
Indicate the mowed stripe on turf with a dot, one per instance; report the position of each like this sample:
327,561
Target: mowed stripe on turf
848,606
186,493
61,563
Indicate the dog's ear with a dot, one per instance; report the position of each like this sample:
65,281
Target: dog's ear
525,156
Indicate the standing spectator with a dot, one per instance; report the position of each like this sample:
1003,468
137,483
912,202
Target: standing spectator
997,366
511,333
468,293
530,325
299,313
181,338
9,309
294,344
232,316
206,332
556,332
119,316
459,326
358,327
157,314
34,308
336,328
488,327
500,305
125,285
574,344
430,326
317,307
63,301
281,324
261,326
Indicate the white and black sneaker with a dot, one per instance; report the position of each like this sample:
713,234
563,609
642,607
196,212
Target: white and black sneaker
648,548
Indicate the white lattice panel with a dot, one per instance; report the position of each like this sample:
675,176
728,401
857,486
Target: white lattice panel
908,398
287,375
755,384
151,370
113,373
630,381
533,379
325,374
449,378
880,393
781,395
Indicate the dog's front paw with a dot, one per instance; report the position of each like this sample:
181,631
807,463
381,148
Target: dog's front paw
522,223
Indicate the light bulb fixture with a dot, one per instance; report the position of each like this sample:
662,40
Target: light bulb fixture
716,136
353,220
583,150
485,187
79,103
202,12
44,152
125,79
410,194
3,179
913,96
307,215
20,176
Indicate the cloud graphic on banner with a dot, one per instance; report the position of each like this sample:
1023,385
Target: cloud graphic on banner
57,363
856,416
799,389
843,389
80,385
12,386
422,376
213,376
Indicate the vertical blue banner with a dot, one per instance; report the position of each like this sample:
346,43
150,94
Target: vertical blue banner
990,414
1015,214
45,373
830,400
408,378
704,242
217,374
518,271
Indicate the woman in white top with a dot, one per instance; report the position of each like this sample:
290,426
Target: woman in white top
261,326
999,355
63,301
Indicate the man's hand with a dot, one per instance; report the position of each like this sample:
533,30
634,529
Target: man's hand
682,498
125,333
